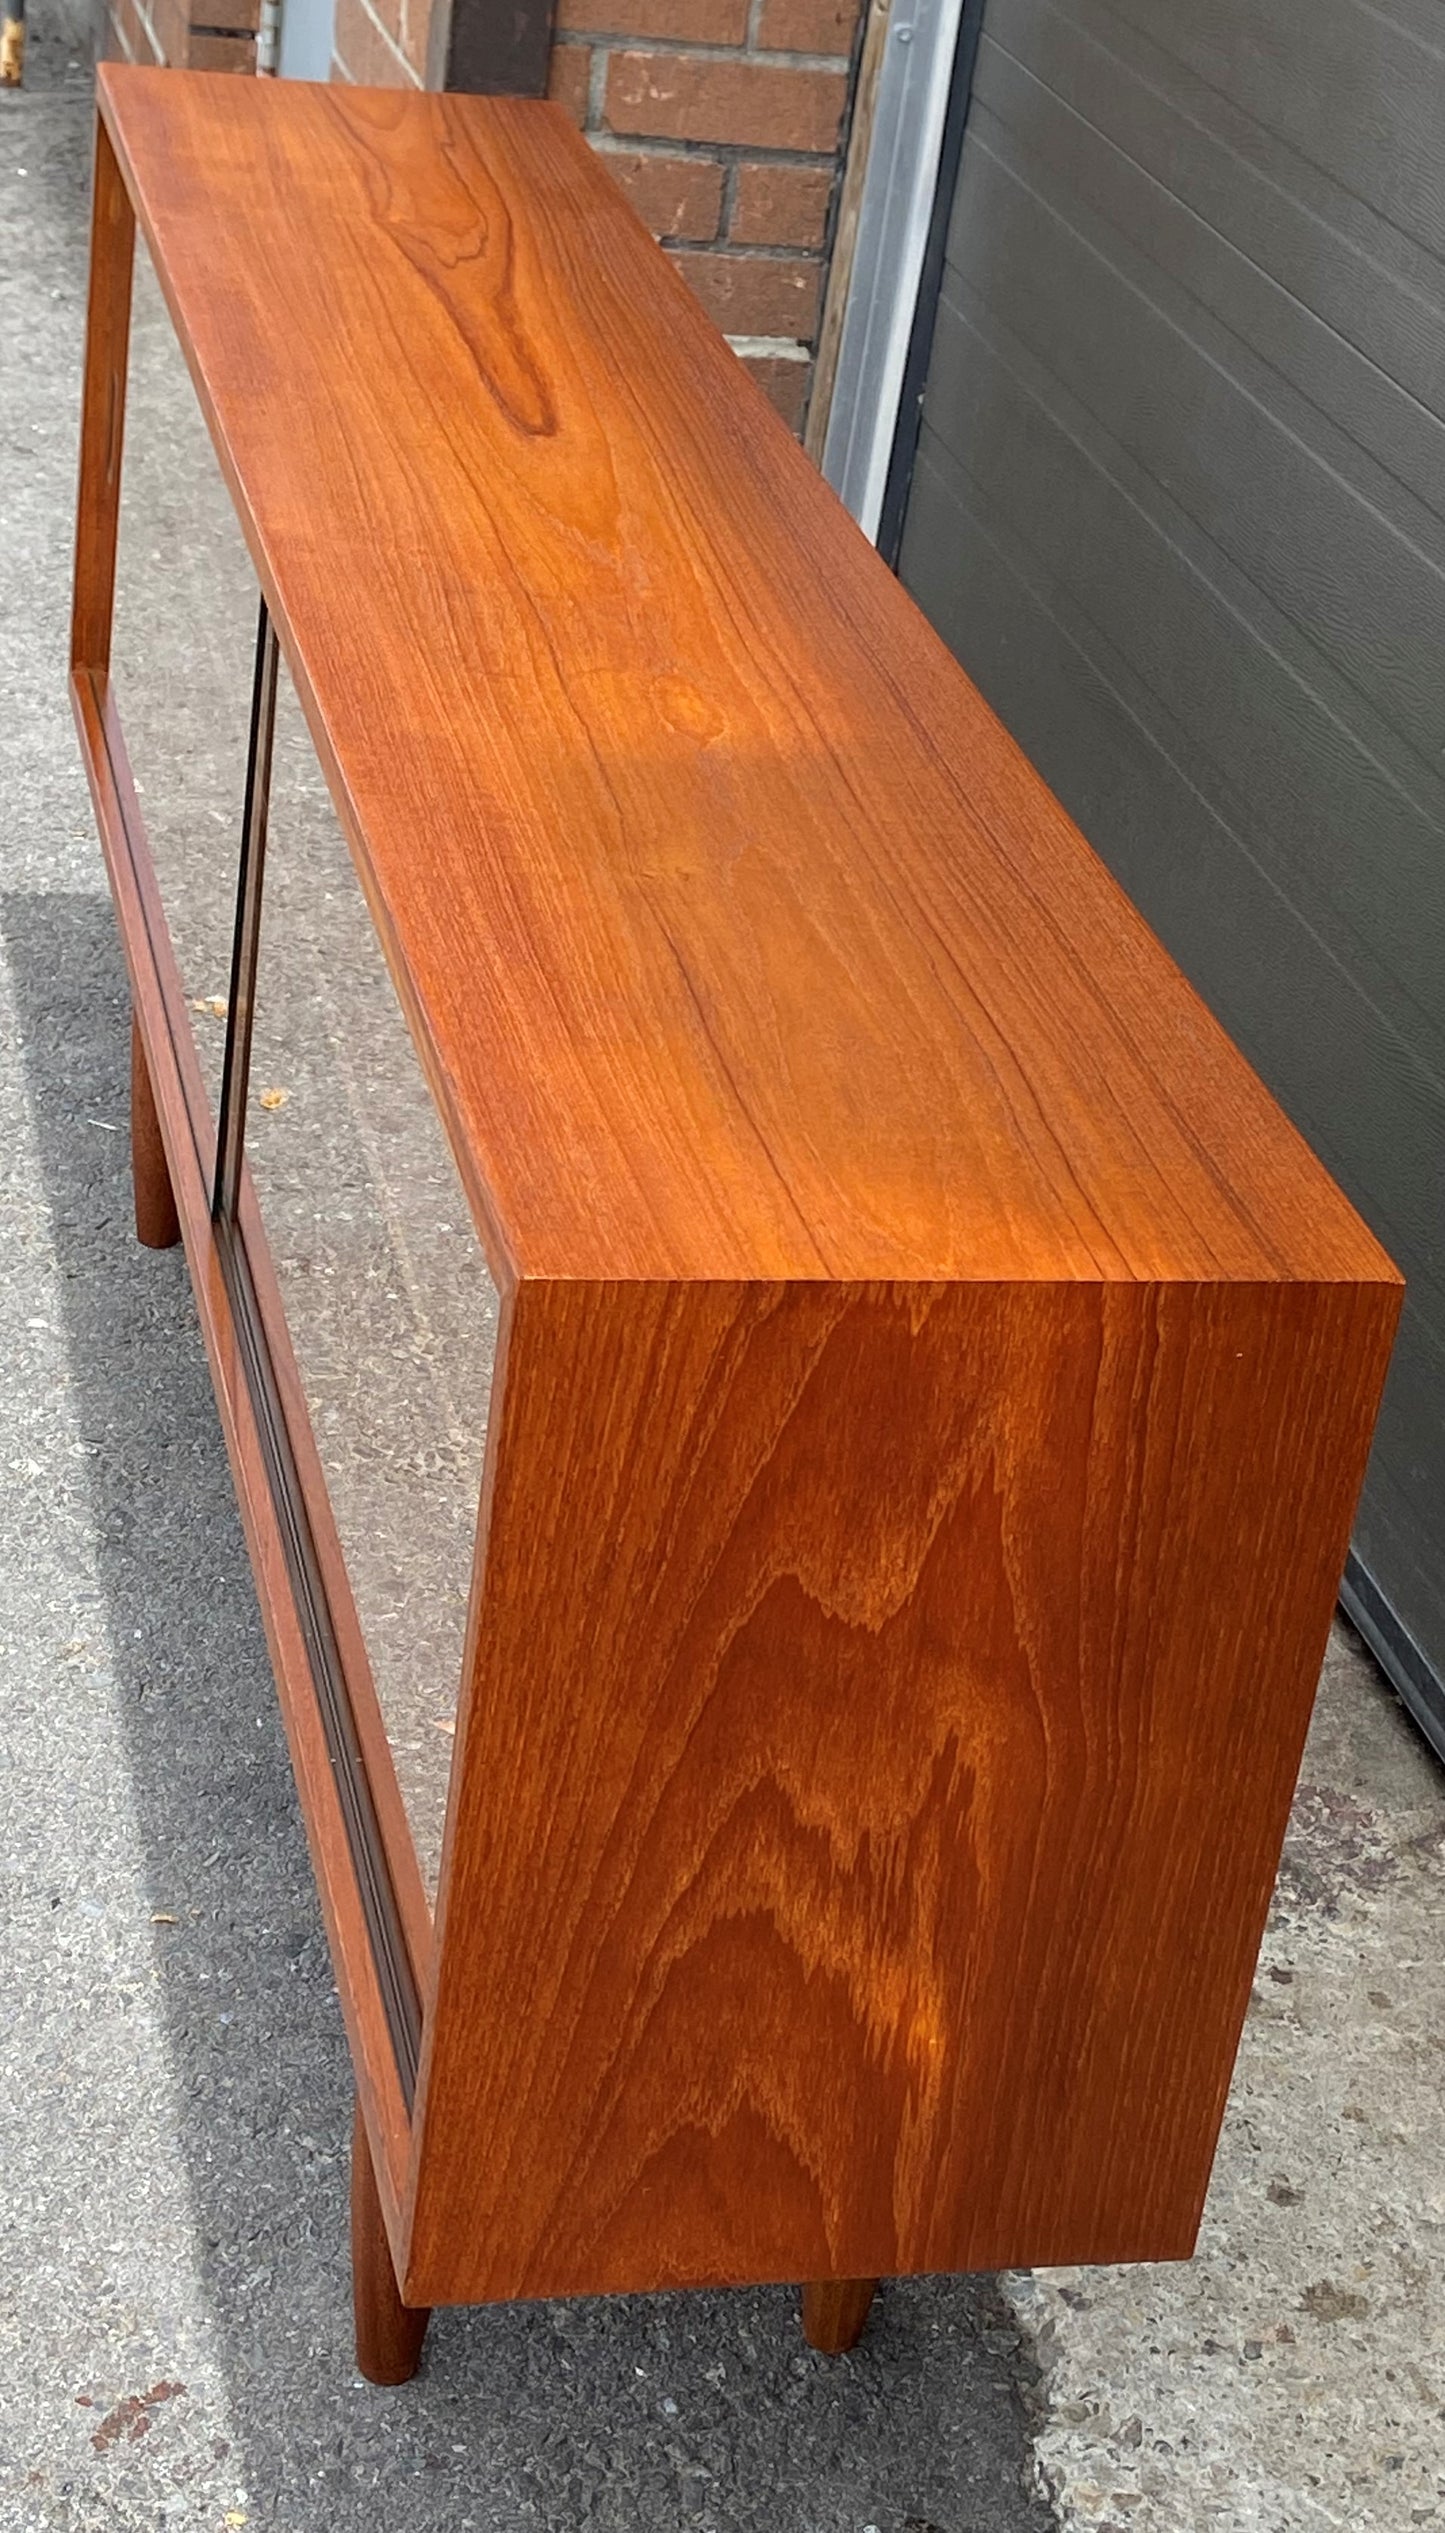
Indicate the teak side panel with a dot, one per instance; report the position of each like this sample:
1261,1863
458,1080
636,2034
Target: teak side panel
738,938
883,1715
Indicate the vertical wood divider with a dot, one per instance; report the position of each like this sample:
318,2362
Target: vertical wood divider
102,415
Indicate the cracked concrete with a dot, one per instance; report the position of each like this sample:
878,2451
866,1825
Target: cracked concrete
1293,2374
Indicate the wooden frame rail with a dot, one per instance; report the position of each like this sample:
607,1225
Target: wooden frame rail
361,1849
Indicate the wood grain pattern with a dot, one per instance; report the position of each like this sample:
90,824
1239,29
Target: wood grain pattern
884,1711
157,1224
102,412
934,1379
738,938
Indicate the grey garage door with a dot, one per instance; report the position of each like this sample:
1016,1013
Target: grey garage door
1178,503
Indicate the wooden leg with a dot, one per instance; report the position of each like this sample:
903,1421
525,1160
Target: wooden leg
834,2312
389,2333
156,1220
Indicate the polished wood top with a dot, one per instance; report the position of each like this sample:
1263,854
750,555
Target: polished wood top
738,938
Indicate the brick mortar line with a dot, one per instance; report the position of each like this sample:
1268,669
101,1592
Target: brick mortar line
729,166
676,48
770,347
738,251
712,153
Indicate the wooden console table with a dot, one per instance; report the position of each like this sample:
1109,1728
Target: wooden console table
930,1380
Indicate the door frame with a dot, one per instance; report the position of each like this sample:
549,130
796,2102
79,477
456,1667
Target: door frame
912,141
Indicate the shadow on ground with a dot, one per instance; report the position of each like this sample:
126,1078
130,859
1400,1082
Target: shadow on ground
638,2412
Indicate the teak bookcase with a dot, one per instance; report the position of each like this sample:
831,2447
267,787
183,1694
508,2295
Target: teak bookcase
932,1379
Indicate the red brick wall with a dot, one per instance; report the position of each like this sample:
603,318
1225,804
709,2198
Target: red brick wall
196,34
381,43
720,119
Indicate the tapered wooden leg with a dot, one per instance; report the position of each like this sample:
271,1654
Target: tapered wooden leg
389,2333
834,2312
156,1220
